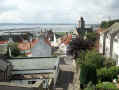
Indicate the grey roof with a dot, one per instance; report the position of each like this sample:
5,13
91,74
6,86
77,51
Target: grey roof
3,65
33,71
41,49
117,35
114,28
34,64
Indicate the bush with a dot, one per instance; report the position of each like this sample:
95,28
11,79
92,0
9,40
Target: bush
92,36
90,86
92,58
108,62
14,50
106,85
87,74
107,74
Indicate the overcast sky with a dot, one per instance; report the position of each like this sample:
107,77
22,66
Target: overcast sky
59,11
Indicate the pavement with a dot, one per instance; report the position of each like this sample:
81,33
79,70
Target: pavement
66,76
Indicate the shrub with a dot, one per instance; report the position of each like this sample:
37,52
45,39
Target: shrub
90,86
108,62
87,74
94,58
14,50
91,57
107,74
106,85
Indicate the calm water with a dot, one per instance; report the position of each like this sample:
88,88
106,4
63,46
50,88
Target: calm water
38,27
43,27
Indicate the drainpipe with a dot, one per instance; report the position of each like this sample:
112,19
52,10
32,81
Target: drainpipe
9,52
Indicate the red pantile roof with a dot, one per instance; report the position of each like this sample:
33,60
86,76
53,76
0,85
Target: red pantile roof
66,39
27,45
99,30
4,42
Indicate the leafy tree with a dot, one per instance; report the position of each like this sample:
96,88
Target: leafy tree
77,45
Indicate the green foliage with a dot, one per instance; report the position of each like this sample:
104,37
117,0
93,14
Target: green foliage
92,58
106,85
107,74
107,24
92,36
78,44
87,74
90,86
14,50
93,67
108,62
61,33
3,49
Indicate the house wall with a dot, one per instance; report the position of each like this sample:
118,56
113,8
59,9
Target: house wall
107,45
5,75
115,54
2,76
101,44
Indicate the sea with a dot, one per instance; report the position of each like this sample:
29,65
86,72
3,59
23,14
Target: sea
38,27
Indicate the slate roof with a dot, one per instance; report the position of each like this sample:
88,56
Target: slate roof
42,48
114,28
33,65
3,65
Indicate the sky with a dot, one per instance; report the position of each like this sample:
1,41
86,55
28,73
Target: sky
58,11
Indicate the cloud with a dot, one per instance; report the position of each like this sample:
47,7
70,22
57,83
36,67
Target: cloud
68,11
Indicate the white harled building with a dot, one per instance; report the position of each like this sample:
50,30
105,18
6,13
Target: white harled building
108,43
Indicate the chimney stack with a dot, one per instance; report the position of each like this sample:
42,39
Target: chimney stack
81,23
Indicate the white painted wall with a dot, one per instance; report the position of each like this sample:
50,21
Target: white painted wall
101,43
107,45
115,53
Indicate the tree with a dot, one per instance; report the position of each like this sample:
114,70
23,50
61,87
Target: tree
77,45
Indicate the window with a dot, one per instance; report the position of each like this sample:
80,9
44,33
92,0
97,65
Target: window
116,40
31,82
